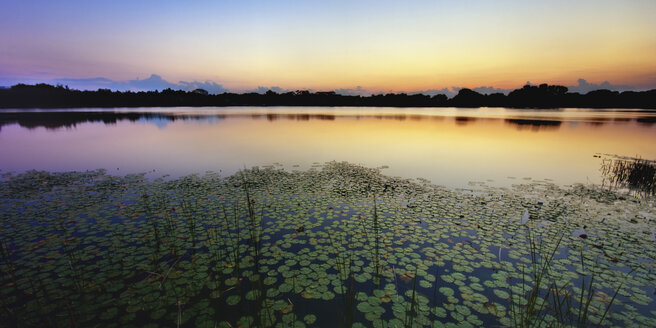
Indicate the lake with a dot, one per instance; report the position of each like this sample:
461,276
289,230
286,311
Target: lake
314,217
448,146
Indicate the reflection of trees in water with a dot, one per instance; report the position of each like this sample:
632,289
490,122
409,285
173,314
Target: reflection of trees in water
464,120
61,119
66,119
649,120
56,120
636,174
534,124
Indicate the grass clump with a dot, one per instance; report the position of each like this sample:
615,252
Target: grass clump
543,302
636,174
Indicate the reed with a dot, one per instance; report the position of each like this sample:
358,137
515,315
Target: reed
636,174
411,307
349,292
376,255
557,302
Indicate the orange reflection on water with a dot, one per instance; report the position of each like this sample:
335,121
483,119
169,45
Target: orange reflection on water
446,150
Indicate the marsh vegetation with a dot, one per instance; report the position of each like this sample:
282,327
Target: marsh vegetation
338,245
636,175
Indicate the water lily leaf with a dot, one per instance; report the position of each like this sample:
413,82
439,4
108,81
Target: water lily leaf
233,300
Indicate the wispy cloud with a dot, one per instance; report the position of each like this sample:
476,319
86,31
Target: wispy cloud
357,91
584,86
452,91
449,92
154,82
491,90
262,89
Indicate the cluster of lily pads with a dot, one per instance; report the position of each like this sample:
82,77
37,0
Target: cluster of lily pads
339,245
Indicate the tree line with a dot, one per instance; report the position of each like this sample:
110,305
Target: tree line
529,96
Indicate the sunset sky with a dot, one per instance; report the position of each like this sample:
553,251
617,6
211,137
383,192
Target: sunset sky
327,45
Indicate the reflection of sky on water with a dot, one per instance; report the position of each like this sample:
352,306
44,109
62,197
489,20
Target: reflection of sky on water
159,122
450,149
163,121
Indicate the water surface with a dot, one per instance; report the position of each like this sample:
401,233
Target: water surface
448,146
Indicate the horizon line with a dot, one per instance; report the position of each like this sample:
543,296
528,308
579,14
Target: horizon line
156,83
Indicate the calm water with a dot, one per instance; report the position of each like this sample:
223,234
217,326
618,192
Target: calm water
445,145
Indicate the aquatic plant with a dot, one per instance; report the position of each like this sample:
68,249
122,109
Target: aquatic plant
541,301
342,245
636,174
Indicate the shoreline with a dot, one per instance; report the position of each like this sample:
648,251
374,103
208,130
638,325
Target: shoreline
539,97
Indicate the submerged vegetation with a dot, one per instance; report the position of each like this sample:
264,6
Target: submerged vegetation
336,246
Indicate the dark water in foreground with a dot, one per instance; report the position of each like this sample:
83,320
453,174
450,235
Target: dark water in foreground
445,145
340,246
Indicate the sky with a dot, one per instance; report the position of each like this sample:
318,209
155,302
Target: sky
353,46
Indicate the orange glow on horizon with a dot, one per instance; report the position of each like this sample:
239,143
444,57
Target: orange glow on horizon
338,44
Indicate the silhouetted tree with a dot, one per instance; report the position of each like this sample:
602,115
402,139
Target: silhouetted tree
468,98
542,96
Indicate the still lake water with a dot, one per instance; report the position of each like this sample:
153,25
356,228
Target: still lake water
447,146
125,251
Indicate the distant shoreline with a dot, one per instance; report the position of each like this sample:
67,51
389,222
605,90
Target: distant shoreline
44,96
54,119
